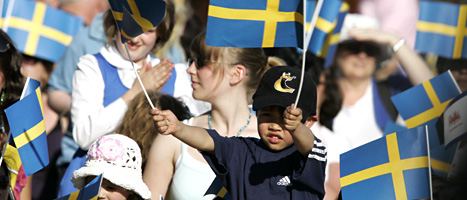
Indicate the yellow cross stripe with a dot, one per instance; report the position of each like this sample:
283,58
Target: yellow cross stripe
35,26
395,167
125,35
222,192
325,25
437,28
460,32
440,165
145,24
54,34
345,7
39,98
95,197
74,195
30,134
270,16
117,15
431,113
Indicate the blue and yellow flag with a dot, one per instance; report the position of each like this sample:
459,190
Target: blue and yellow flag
218,189
135,17
27,126
259,23
441,29
325,24
332,40
39,30
89,192
392,167
426,101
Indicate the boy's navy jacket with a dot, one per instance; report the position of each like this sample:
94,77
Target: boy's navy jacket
250,170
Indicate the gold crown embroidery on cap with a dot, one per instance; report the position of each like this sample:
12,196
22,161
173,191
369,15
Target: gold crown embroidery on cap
281,83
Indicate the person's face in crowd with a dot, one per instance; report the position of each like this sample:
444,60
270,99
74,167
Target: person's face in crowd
461,77
110,191
358,63
35,69
271,128
204,80
139,47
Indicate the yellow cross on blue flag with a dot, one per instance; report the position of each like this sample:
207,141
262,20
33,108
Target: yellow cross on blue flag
39,30
135,17
325,24
89,192
441,29
259,23
218,189
426,101
392,167
27,126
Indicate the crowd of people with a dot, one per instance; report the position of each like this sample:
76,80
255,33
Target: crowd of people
223,114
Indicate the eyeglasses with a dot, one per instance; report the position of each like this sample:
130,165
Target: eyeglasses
4,44
201,63
356,48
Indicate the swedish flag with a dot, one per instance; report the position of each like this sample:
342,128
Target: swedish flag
392,167
441,29
40,30
325,24
90,191
27,126
310,8
426,101
332,40
136,17
259,23
218,189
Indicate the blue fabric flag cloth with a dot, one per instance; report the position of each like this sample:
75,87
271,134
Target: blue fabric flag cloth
218,189
27,126
260,23
441,29
426,101
392,167
136,17
325,24
40,30
90,191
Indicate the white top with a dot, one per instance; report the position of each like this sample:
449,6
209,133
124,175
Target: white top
90,119
356,125
192,178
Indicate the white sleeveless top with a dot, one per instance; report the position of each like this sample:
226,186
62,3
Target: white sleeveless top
192,178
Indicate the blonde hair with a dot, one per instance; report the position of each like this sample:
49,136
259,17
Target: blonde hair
137,122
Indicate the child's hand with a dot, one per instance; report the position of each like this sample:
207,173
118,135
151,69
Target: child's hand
164,121
154,78
292,118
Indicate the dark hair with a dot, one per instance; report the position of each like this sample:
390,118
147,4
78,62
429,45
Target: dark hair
444,64
10,66
163,30
136,121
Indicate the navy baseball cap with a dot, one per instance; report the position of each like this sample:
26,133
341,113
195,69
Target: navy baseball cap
279,86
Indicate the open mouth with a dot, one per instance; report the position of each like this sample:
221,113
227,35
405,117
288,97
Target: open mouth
132,46
273,138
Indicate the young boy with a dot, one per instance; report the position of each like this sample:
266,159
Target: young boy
288,162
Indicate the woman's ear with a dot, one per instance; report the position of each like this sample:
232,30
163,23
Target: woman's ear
238,74
311,120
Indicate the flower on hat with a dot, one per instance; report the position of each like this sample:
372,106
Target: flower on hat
107,148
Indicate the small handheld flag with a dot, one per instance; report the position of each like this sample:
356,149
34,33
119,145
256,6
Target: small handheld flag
441,29
136,17
426,101
325,24
256,24
40,30
27,126
218,189
392,167
90,191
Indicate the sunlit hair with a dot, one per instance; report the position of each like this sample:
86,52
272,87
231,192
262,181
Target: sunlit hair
137,122
10,66
254,60
163,30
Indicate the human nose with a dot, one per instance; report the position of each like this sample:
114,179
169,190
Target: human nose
102,194
191,68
